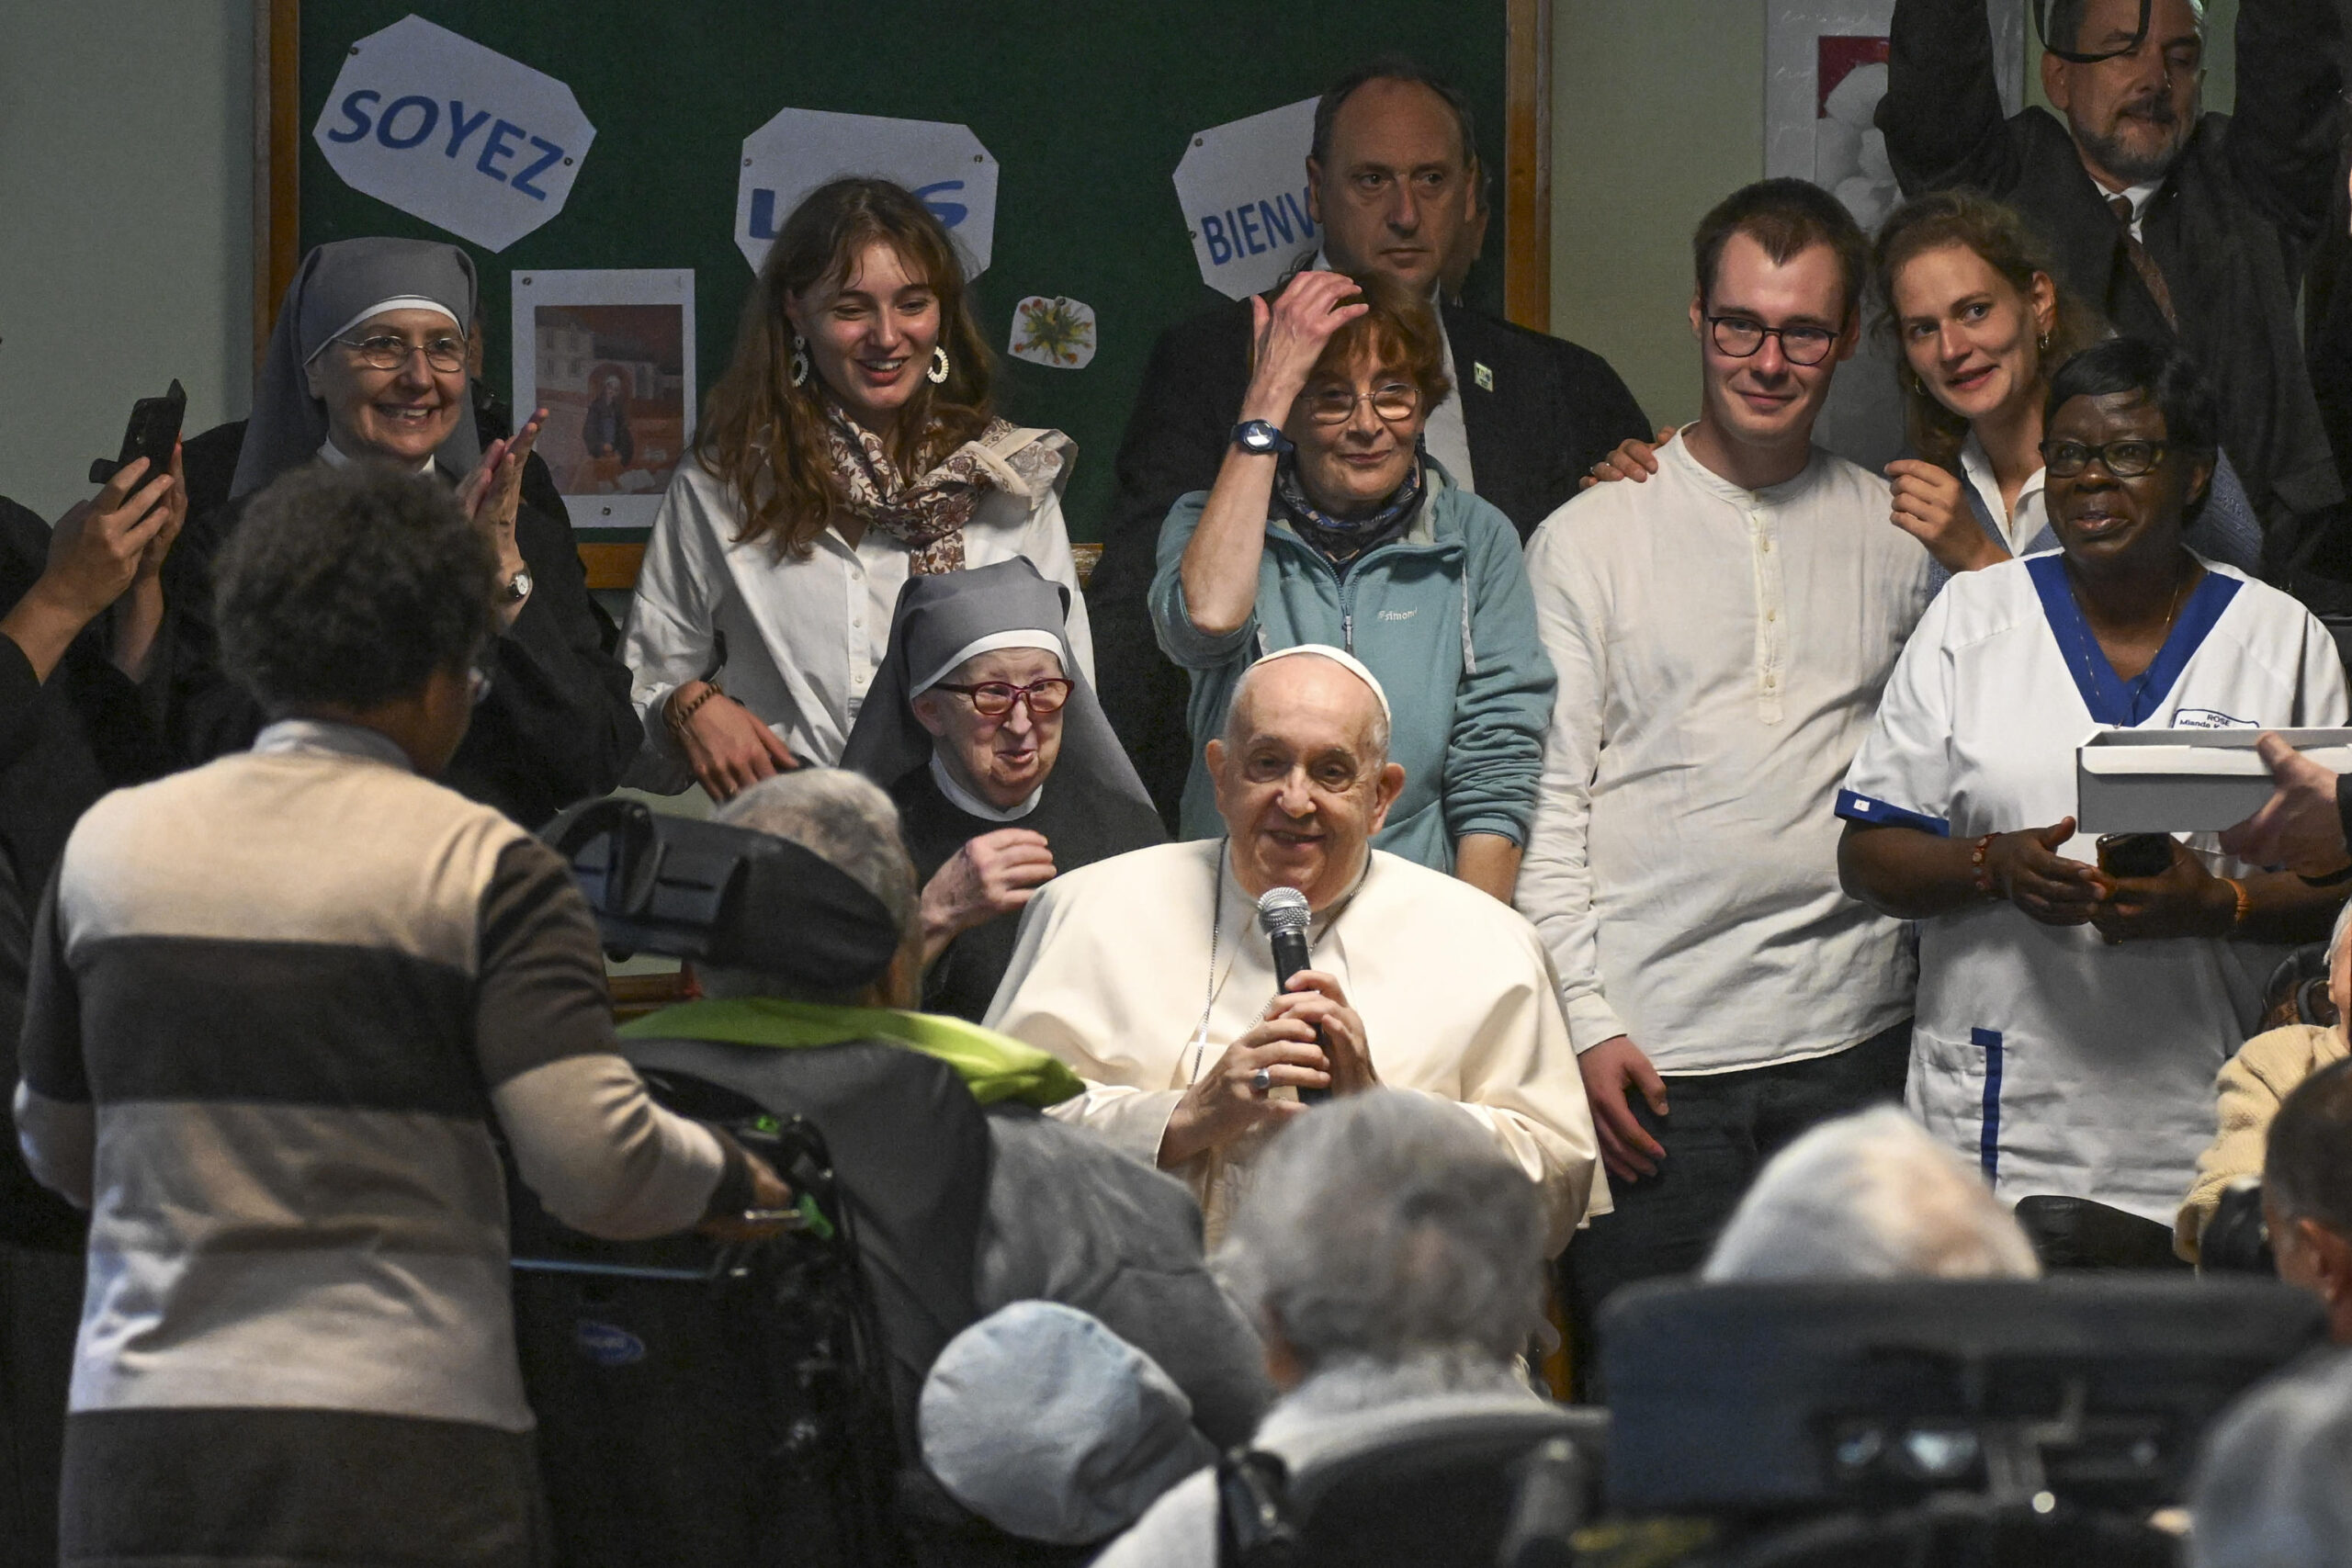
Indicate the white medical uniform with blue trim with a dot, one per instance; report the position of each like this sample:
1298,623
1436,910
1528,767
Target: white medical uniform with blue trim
2064,1065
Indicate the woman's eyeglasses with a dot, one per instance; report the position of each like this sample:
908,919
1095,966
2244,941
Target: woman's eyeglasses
1394,401
994,699
1743,339
2124,459
387,352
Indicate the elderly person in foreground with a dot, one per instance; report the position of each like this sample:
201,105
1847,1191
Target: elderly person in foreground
1870,1196
1394,1261
2072,1013
2274,1489
1066,1219
1149,975
1329,523
2249,1088
982,726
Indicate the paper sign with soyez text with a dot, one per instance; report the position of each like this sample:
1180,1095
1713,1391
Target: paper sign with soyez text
459,135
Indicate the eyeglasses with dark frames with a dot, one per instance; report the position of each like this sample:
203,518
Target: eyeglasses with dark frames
1394,401
1742,337
387,351
994,699
2126,459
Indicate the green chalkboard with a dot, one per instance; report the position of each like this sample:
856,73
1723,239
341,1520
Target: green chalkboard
1086,104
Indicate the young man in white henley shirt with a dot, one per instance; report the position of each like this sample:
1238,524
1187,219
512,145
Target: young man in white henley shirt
1722,631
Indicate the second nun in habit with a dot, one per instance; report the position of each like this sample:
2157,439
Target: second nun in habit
983,728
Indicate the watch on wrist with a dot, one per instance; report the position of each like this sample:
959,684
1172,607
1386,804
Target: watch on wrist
518,588
1261,438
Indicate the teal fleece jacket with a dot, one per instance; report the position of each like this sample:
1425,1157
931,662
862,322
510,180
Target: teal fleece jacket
1444,617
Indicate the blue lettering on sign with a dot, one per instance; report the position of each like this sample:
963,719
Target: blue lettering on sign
360,124
461,127
423,126
500,144
548,153
1276,222
1298,205
1254,228
762,215
608,1345
949,213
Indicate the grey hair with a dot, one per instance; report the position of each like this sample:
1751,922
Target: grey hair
2336,934
1870,1196
1237,733
846,820
1387,1227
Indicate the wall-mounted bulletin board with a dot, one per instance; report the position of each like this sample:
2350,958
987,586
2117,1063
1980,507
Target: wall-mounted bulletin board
1082,111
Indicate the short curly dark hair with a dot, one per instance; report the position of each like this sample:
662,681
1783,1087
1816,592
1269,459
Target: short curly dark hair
350,587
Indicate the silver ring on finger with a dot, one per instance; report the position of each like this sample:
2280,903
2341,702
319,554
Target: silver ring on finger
1262,1081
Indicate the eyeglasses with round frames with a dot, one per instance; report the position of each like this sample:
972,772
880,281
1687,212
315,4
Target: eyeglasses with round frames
1743,338
388,352
1393,401
2126,459
994,699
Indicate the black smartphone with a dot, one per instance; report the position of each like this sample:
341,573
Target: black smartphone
153,431
2135,854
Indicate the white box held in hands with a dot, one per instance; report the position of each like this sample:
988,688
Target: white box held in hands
2185,780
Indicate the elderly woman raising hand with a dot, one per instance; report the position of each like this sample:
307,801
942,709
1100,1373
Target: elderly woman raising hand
1328,524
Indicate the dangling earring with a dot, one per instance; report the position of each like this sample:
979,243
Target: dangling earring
938,371
799,360
1917,385
2043,342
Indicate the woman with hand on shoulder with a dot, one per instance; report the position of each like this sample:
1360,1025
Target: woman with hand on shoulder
368,362
1969,298
1329,523
852,444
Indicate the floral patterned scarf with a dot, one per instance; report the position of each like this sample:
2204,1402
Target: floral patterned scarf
926,514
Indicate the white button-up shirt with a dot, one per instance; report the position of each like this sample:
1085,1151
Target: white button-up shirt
1720,653
2019,528
803,638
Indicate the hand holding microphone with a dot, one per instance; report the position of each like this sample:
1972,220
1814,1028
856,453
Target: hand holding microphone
1311,997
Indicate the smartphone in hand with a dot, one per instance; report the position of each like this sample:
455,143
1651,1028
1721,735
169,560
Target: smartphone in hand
153,431
2135,854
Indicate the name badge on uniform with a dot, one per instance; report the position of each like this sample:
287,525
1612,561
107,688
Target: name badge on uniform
1484,376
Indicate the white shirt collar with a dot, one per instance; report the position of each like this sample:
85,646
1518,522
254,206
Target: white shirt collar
2019,528
334,456
353,740
2139,196
963,800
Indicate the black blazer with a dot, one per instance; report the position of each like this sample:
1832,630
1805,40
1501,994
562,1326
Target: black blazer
557,728
1553,409
2233,229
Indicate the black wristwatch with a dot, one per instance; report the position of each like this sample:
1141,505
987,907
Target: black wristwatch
1261,439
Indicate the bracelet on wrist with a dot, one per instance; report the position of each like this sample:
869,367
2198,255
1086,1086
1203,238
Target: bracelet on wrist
2244,905
1982,871
678,717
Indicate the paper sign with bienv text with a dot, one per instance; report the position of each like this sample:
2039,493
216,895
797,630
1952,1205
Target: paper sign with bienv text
943,165
454,134
1243,188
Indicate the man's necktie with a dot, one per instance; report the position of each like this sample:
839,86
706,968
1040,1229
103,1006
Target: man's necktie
2142,261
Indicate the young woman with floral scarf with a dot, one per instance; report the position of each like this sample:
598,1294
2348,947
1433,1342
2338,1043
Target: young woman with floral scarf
850,445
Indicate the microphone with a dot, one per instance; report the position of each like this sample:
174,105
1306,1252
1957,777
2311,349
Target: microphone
1282,915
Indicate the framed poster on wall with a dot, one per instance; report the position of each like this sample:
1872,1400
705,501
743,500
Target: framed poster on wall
1824,71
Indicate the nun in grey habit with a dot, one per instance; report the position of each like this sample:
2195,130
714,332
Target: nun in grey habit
556,727
1089,806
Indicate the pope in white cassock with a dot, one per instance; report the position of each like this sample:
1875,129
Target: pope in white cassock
1148,974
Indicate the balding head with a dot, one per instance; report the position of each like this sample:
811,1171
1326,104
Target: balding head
1303,776
1328,682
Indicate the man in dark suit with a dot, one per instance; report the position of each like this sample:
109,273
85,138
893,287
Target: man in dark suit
1392,181
2181,227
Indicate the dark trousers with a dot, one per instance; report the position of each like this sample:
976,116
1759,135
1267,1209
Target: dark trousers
1719,1130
